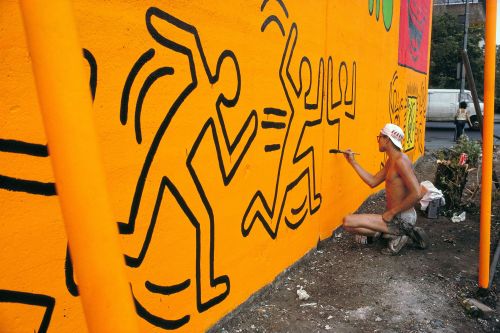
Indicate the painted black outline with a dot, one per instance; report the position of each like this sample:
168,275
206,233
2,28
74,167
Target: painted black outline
39,150
143,59
272,147
167,290
69,276
93,71
150,80
280,2
248,129
48,302
166,324
273,18
27,186
275,212
272,124
21,147
24,185
275,112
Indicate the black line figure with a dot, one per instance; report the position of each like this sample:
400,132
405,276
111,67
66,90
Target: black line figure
207,123
346,99
19,297
297,161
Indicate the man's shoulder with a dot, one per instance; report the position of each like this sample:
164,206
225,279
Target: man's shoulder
402,161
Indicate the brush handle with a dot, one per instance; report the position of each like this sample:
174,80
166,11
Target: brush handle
338,151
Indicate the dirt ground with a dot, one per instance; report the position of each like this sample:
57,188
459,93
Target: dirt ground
355,288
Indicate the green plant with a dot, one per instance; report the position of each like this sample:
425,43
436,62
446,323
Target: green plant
465,145
451,175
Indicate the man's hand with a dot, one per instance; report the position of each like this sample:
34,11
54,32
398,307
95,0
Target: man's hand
387,216
349,156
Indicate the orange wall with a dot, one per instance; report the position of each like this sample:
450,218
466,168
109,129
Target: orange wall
215,120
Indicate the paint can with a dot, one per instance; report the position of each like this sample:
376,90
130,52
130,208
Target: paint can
463,159
433,209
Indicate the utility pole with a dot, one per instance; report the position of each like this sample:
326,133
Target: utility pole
466,31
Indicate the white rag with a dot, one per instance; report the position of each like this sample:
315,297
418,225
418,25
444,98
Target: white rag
431,193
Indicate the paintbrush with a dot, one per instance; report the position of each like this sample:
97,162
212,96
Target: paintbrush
338,151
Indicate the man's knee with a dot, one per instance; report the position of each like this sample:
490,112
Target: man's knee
347,221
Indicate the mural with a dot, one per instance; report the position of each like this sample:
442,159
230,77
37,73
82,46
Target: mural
414,34
217,122
387,11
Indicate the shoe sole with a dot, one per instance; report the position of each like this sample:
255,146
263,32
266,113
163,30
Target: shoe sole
395,245
420,238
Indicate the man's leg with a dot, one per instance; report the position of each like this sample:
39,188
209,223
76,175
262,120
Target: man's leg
365,224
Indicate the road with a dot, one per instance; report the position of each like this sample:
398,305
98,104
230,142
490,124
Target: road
440,135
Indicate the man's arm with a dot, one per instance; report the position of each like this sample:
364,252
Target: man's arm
368,178
410,181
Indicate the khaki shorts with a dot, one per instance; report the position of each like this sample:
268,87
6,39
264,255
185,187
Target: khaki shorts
403,222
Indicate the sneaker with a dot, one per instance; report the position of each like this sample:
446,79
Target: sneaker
395,245
419,237
373,239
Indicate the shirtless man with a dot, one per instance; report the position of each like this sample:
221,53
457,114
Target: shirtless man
402,192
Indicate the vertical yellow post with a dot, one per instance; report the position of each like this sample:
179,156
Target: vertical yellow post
66,107
487,166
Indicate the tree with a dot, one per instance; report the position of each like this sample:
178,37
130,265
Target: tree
446,48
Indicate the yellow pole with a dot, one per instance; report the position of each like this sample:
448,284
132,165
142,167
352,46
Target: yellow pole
487,165
66,108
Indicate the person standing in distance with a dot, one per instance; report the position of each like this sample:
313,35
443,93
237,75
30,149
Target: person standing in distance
402,192
461,118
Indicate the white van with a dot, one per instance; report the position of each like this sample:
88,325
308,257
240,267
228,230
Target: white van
442,104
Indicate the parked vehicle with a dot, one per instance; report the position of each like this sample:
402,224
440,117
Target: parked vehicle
442,104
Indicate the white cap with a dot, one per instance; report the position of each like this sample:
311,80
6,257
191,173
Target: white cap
395,133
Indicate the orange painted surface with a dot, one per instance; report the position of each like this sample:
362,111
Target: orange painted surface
487,160
215,120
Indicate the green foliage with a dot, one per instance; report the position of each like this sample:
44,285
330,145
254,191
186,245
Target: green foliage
464,145
446,48
451,177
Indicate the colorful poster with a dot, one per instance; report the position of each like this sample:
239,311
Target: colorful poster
414,34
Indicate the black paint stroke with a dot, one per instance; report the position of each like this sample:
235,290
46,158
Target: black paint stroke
24,185
280,2
296,211
214,127
275,112
352,100
93,71
272,124
166,324
28,186
167,290
39,150
320,88
143,59
272,147
258,208
21,147
273,19
11,296
69,275
150,80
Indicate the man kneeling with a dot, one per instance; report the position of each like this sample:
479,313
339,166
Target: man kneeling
402,192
